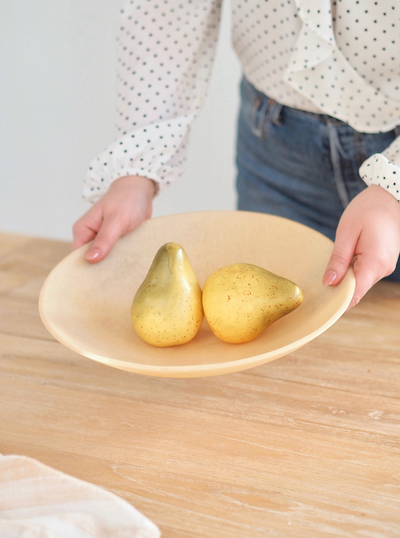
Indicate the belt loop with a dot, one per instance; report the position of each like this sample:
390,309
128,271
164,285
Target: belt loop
274,115
260,110
265,111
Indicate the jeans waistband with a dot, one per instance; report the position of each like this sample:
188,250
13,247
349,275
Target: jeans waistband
325,118
275,108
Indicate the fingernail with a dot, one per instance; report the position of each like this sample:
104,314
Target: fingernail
92,255
329,278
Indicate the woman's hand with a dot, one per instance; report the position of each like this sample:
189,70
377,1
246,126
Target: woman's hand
369,233
126,204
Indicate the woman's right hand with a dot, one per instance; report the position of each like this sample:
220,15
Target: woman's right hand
126,204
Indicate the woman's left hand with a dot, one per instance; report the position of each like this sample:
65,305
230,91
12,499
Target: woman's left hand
368,236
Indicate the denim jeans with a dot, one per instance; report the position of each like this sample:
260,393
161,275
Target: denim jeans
300,165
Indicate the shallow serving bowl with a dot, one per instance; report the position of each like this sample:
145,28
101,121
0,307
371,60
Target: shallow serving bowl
87,307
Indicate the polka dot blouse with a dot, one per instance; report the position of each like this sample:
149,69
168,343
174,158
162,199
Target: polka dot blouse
337,57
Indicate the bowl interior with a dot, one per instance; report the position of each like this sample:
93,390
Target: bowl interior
87,307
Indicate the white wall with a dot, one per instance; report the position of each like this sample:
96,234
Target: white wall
57,89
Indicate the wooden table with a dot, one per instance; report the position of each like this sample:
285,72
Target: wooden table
308,445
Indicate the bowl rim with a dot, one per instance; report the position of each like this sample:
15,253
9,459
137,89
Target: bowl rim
193,370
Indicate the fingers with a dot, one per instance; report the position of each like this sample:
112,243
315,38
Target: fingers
110,231
342,256
82,236
344,252
367,274
86,228
369,233
126,204
105,230
373,260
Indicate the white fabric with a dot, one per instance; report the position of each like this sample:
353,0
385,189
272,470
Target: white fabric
338,57
38,501
384,169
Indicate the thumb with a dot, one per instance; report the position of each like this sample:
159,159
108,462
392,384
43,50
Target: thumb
341,258
82,235
85,229
109,233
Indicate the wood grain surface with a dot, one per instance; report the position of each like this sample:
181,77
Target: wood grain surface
305,446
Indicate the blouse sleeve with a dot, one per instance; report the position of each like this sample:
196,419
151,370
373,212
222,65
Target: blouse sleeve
384,169
166,50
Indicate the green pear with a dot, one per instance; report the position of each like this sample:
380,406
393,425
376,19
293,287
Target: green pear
167,308
241,300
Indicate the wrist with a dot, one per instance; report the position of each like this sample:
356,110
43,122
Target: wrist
145,184
383,194
385,204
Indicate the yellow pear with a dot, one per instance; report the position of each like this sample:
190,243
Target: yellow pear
167,308
241,300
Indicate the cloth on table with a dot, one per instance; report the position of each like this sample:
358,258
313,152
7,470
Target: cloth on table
37,501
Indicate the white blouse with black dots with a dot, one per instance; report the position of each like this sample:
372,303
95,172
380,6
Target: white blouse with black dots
337,57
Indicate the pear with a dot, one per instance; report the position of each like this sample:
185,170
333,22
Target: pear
167,308
241,300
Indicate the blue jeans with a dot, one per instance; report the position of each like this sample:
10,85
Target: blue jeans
300,165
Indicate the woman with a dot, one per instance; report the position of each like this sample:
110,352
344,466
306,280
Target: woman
320,101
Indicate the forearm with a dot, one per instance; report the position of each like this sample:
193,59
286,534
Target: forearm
165,59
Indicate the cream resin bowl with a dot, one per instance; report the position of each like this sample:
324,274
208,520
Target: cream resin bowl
86,307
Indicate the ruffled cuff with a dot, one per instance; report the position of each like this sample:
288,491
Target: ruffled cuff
157,152
383,169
